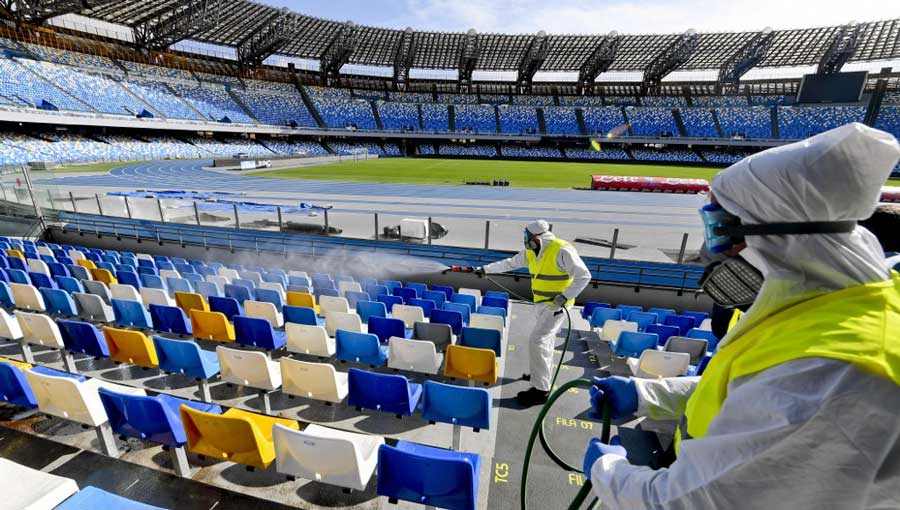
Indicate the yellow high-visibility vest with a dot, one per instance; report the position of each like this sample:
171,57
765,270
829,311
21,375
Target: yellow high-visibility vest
547,281
858,325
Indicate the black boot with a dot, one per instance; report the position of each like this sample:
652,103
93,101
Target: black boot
532,397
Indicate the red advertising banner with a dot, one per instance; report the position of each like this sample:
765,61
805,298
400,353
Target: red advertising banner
890,194
648,184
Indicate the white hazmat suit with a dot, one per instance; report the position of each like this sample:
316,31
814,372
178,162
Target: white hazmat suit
812,433
548,320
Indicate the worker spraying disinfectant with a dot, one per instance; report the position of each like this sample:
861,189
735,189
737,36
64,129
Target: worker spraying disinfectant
558,275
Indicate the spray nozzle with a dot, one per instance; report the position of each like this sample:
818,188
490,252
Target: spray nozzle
459,269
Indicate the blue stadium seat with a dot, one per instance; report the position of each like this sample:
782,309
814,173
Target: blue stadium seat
302,315
14,387
178,285
229,307
147,270
632,344
662,313
498,302
155,419
643,319
437,296
463,309
129,278
18,275
481,338
244,282
325,291
699,317
465,299
170,319
588,309
58,269
384,328
497,294
270,296
420,288
6,297
91,498
391,285
426,475
184,268
426,305
354,297
702,334
662,331
383,392
366,309
257,333
272,277
152,281
194,278
109,266
375,290
389,301
298,280
79,272
131,313
207,289
146,263
601,315
452,318
205,270
627,309
404,293
457,405
83,337
40,280
17,263
59,302
360,348
682,322
69,284
186,358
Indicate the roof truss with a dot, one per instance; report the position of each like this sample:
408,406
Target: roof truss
269,39
162,27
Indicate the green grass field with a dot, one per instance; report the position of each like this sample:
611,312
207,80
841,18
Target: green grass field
532,174
93,167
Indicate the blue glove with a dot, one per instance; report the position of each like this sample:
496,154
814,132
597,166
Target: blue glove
597,449
621,393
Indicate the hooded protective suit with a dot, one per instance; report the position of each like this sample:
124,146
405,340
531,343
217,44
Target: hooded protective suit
812,433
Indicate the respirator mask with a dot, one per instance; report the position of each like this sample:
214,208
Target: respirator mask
531,241
735,282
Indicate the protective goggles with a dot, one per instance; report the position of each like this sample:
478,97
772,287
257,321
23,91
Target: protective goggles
723,230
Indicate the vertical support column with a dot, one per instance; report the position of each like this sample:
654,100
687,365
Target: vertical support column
684,241
376,226
127,208
3,189
99,205
237,219
196,213
107,440
457,438
68,361
280,220
327,225
180,461
487,233
162,214
205,395
266,402
429,230
27,355
50,198
37,209
72,199
615,241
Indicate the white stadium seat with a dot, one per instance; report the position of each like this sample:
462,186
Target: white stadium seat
267,311
155,297
30,489
77,255
27,297
471,292
612,328
410,315
277,287
306,339
92,307
414,355
38,266
124,292
9,326
165,274
342,320
39,329
66,397
344,287
332,304
249,368
219,280
228,274
318,381
653,363
485,321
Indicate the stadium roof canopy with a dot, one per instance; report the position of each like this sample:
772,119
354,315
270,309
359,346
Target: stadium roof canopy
258,31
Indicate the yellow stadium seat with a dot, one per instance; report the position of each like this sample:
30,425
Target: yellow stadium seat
188,301
129,346
86,263
471,364
302,299
15,253
103,275
236,435
17,364
211,326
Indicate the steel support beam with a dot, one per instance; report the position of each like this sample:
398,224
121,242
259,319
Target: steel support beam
268,39
599,61
338,52
745,58
531,61
842,47
672,57
468,59
403,58
38,11
167,27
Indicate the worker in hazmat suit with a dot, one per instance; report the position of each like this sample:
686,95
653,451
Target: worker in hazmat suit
800,406
558,275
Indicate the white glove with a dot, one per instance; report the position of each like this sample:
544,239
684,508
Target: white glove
560,300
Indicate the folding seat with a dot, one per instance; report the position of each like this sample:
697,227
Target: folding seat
253,369
481,338
299,274
706,325
124,292
219,281
447,291
408,314
64,261
14,387
410,472
127,278
266,311
703,334
451,318
269,289
39,329
471,364
343,278
32,489
79,272
17,264
420,288
326,455
226,305
155,297
107,266
15,253
464,310
193,279
487,321
696,348
588,309
332,304
165,274
353,297
166,269
384,328
188,301
413,355
317,381
178,260
207,289
345,287
236,435
302,315
661,313
83,337
664,332
682,322
383,392
341,320
9,327
92,307
698,317
170,319
601,314
77,399
155,419
184,269
110,258
426,305
238,292
38,266
58,269
18,276
389,301
465,299
376,290
653,364
612,329
632,343
438,297
178,285
302,299
40,280
211,326
75,255
6,296
258,332
131,313
308,339
275,277
143,261
302,281
404,293
361,348
103,275
391,285
152,281
128,346
456,405
186,358
205,271
366,309
252,276
643,319
98,288
68,284
59,302
91,497
44,250
627,309
270,296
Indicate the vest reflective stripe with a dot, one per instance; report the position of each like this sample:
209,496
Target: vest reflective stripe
735,318
547,281
856,325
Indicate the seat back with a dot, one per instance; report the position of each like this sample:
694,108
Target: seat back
707,335
465,299
389,301
653,363
661,313
103,275
306,339
426,305
385,328
301,299
83,337
128,278
413,355
683,323
354,297
333,304
481,338
447,291
27,297
457,405
131,313
67,397
420,288
170,319
346,286
695,347
14,387
613,328
93,307
464,310
6,295
471,364
211,326
124,292
664,332
600,315
409,314
59,302
69,284
248,368
9,326
366,309
404,293
234,435
207,289
340,320
627,309
438,297
263,310
238,292
229,307
188,301
152,281
300,315
39,329
359,348
184,357
58,269
452,318
643,319
156,297
256,332
40,280
588,309
632,343
429,476
129,346
487,321
318,381
270,296
497,302
698,317
142,417
382,392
